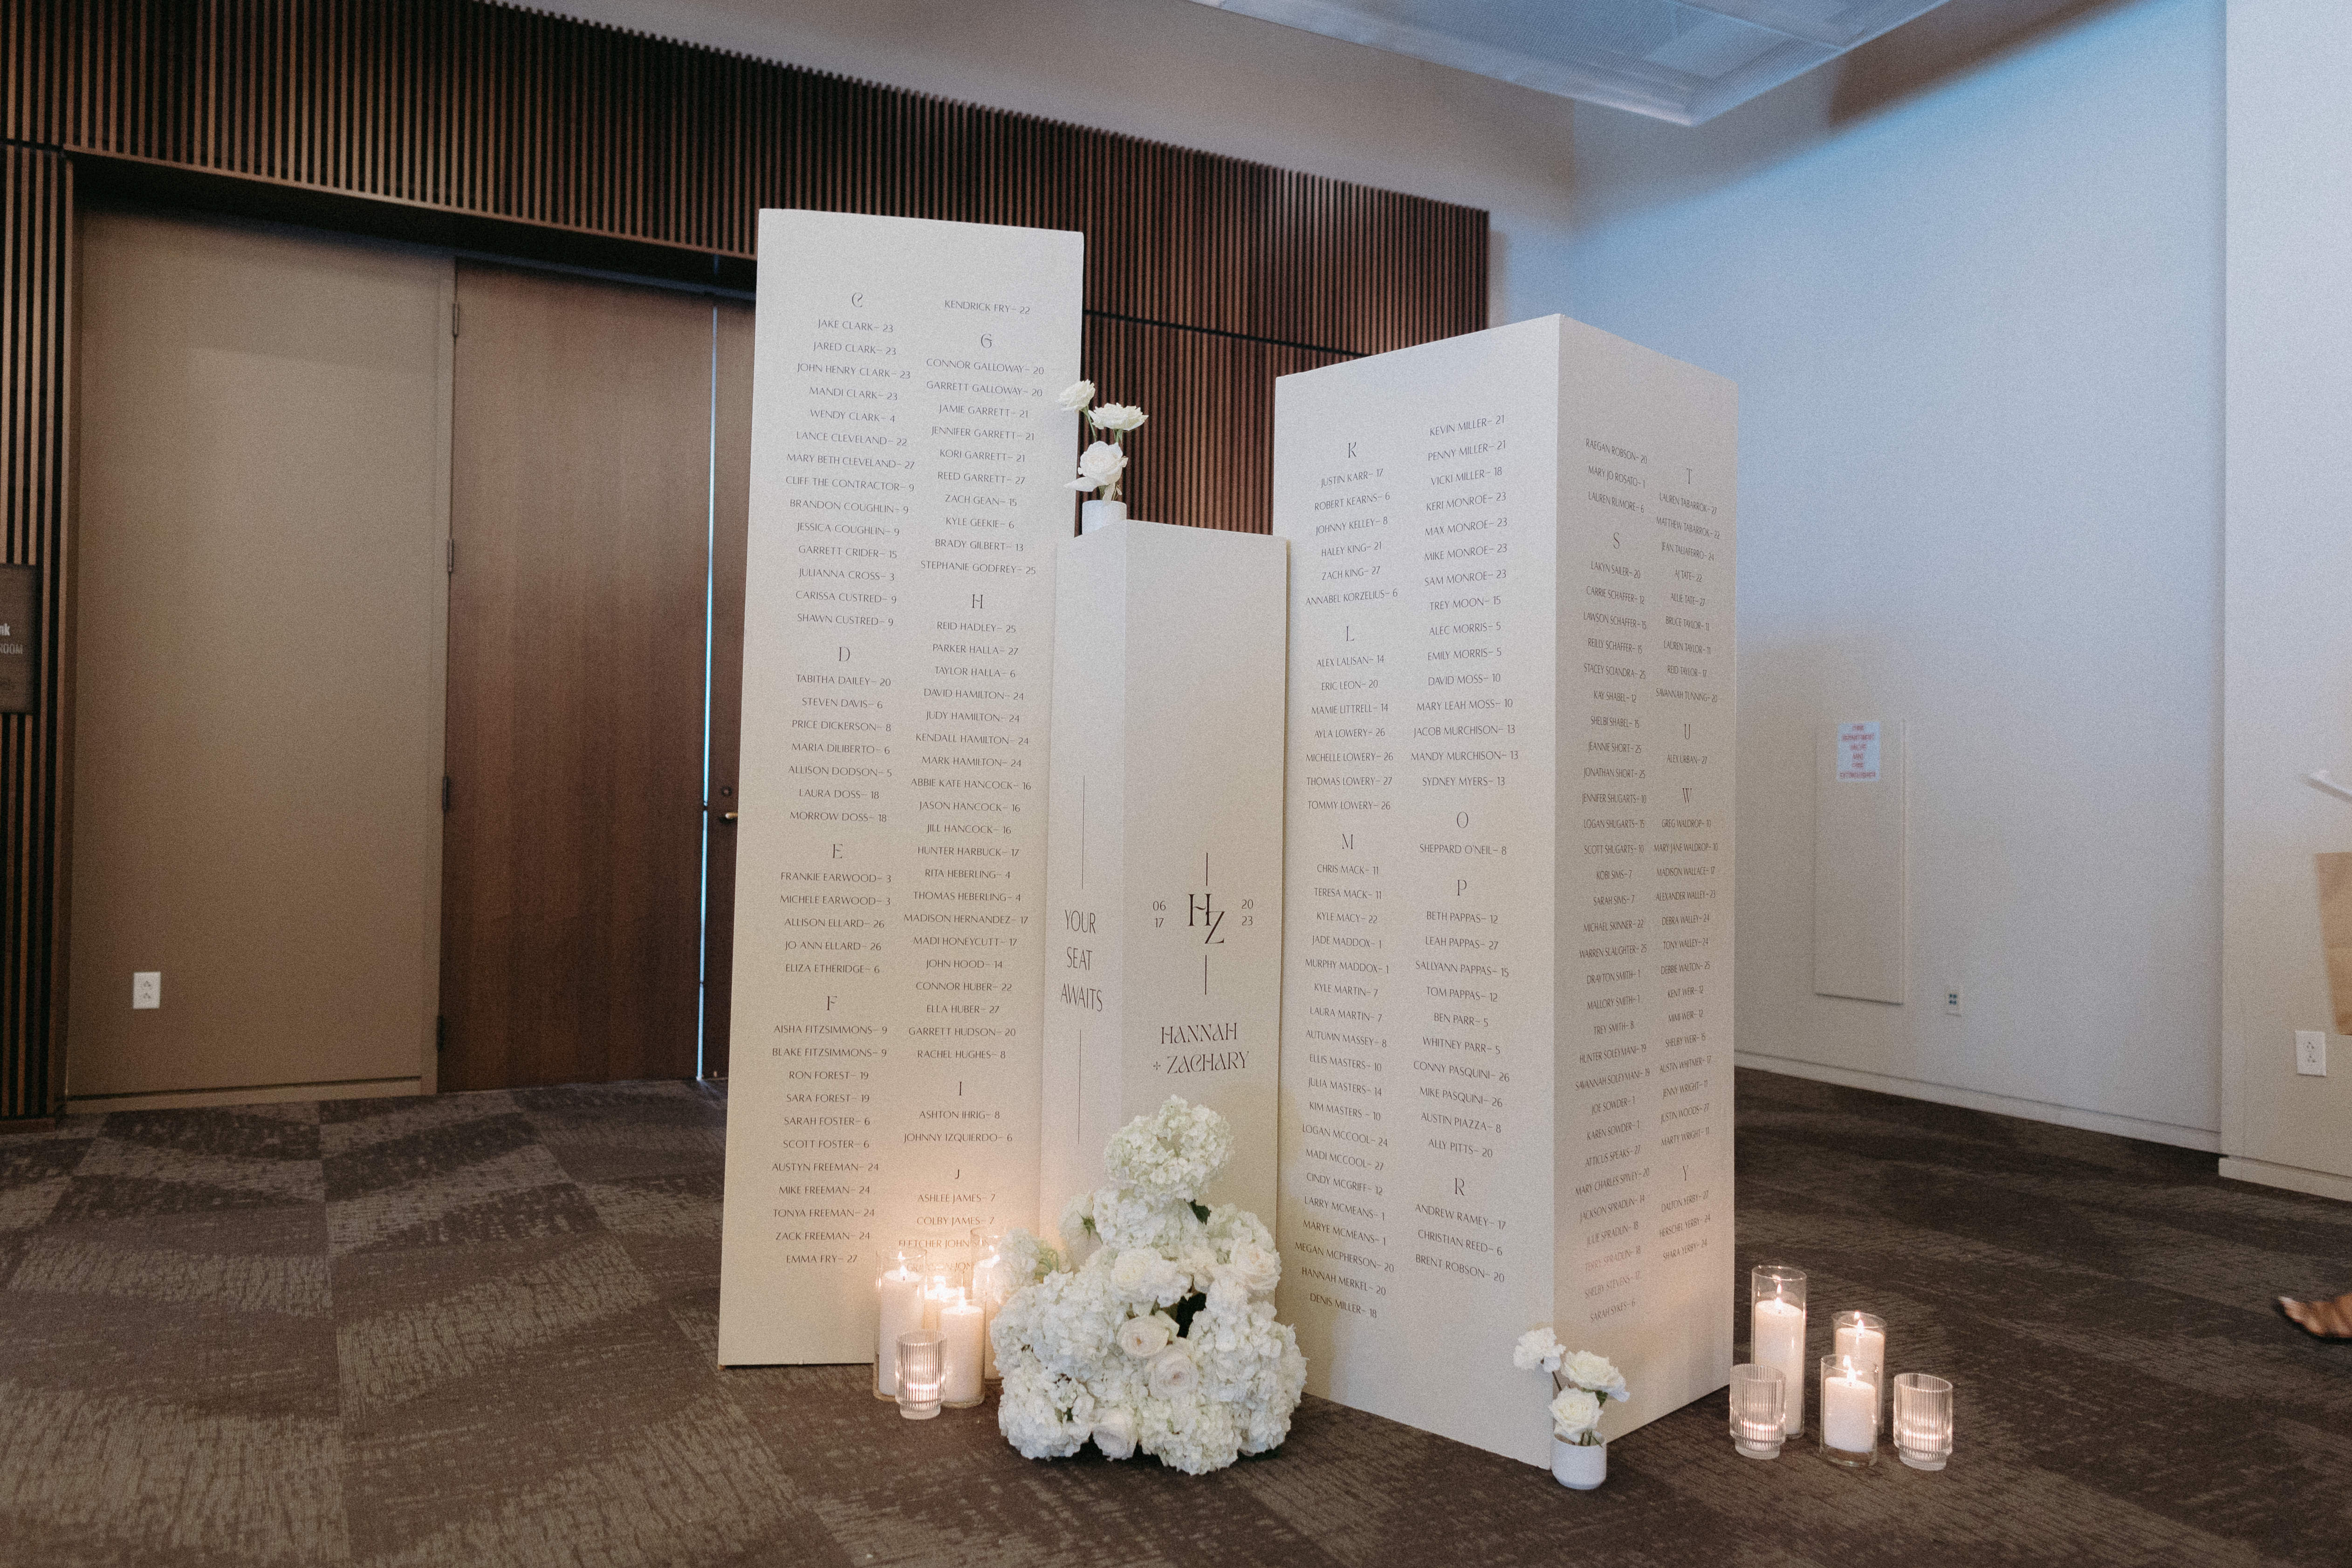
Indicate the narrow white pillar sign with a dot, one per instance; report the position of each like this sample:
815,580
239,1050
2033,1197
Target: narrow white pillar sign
907,464
1165,870
1506,959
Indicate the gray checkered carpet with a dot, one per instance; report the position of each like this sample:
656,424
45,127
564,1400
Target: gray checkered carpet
478,1331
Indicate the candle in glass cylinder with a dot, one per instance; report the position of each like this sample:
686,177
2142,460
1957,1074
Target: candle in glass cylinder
1862,1338
988,1288
936,1295
901,1293
961,1327
1849,1411
1776,1332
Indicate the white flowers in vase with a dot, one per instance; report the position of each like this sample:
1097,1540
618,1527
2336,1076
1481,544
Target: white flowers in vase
1584,1384
1103,463
1152,1330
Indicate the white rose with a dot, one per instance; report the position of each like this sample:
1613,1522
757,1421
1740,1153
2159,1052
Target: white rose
1077,395
1114,1431
1171,1374
1594,1373
1259,1268
1536,1348
1141,1274
1575,1414
1100,464
1117,416
1144,1337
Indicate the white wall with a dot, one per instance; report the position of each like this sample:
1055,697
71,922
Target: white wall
2290,565
1977,341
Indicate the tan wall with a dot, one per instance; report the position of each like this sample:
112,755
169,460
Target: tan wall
261,605
2288,651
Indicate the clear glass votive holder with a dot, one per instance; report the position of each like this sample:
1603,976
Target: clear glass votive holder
921,1374
1922,1420
1849,1411
1757,1400
1776,1335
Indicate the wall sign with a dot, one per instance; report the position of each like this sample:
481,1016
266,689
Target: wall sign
1857,753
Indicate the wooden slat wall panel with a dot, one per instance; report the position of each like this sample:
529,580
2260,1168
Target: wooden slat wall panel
1206,456
36,272
1207,276
490,109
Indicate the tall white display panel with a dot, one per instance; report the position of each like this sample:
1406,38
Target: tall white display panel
906,460
1506,1008
1165,870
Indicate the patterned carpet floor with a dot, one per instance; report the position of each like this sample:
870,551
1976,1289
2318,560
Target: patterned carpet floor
478,1331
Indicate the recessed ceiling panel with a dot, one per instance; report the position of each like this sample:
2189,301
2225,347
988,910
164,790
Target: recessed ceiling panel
1681,60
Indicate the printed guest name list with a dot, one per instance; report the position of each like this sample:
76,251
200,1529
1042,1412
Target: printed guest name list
1507,959
905,499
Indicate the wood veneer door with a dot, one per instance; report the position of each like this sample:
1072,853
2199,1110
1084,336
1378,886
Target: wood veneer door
730,521
580,511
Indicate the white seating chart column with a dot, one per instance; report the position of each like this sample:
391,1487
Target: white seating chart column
1507,1030
907,466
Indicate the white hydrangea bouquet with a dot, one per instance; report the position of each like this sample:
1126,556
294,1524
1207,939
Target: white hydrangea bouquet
1582,1383
1154,1329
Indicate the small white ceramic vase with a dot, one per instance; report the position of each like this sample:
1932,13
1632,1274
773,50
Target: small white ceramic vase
1093,514
1582,1465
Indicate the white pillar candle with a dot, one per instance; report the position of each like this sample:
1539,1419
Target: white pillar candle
901,1293
1862,1346
1850,1414
988,1288
936,1296
1776,1331
961,1324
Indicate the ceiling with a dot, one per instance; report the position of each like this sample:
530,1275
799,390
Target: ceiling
1681,60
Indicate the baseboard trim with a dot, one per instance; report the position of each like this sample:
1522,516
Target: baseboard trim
247,1094
2294,1178
2202,1139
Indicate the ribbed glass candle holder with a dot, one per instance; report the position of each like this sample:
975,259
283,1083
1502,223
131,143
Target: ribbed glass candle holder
1922,1420
1757,1401
921,1371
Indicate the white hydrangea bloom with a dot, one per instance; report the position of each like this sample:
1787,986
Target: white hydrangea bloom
1025,1258
1175,1153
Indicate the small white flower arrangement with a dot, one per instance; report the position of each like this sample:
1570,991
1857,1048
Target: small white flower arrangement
1153,1329
1103,463
1584,1382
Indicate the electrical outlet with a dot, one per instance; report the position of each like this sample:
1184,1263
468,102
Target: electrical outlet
1952,1000
147,988
2311,1052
